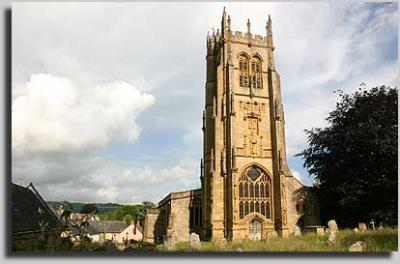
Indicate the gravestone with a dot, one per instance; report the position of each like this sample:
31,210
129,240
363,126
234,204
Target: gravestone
297,231
194,241
169,244
355,230
331,238
320,231
332,226
239,249
221,243
333,229
362,227
358,247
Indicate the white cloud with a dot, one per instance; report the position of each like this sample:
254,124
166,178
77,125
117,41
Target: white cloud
297,175
55,115
185,172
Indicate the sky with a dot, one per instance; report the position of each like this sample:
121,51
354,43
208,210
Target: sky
107,98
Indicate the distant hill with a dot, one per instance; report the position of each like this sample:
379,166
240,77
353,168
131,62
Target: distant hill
103,207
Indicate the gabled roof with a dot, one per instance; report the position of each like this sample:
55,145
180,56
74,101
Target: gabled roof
25,204
106,227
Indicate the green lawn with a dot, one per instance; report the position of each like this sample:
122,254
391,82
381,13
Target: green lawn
385,240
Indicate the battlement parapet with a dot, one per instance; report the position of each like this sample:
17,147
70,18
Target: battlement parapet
245,37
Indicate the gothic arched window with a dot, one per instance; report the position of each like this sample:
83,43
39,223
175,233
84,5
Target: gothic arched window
243,71
256,73
254,192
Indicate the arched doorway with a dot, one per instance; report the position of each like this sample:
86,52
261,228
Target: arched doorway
255,230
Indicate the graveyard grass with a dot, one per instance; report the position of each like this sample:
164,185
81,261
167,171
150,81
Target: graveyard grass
385,240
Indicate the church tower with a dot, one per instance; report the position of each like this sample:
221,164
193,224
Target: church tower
244,170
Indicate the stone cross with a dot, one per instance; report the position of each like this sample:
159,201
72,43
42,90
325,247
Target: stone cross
372,223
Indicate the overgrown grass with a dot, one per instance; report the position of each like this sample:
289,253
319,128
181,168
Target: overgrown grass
385,240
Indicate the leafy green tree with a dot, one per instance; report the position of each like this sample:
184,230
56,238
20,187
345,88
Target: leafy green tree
142,213
354,159
89,209
128,219
148,204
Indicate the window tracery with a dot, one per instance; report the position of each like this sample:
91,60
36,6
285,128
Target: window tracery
254,189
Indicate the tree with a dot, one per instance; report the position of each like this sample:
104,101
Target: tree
148,204
89,209
354,159
142,213
128,219
66,209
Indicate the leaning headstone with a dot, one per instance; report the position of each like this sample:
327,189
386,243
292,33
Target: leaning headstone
194,240
332,226
297,231
355,230
327,230
362,227
358,247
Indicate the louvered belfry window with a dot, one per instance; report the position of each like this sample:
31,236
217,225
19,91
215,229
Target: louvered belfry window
256,73
243,71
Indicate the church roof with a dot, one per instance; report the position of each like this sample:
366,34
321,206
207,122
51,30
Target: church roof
181,194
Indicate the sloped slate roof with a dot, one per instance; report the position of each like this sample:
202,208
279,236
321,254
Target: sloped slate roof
25,202
106,227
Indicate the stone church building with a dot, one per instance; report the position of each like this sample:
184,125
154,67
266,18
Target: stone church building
247,189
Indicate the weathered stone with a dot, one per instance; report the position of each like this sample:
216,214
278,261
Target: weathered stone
239,249
362,227
272,234
380,227
326,230
332,226
194,241
320,231
355,230
297,231
169,244
221,243
359,246
331,238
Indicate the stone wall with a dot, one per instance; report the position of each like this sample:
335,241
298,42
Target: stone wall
154,226
303,208
171,219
